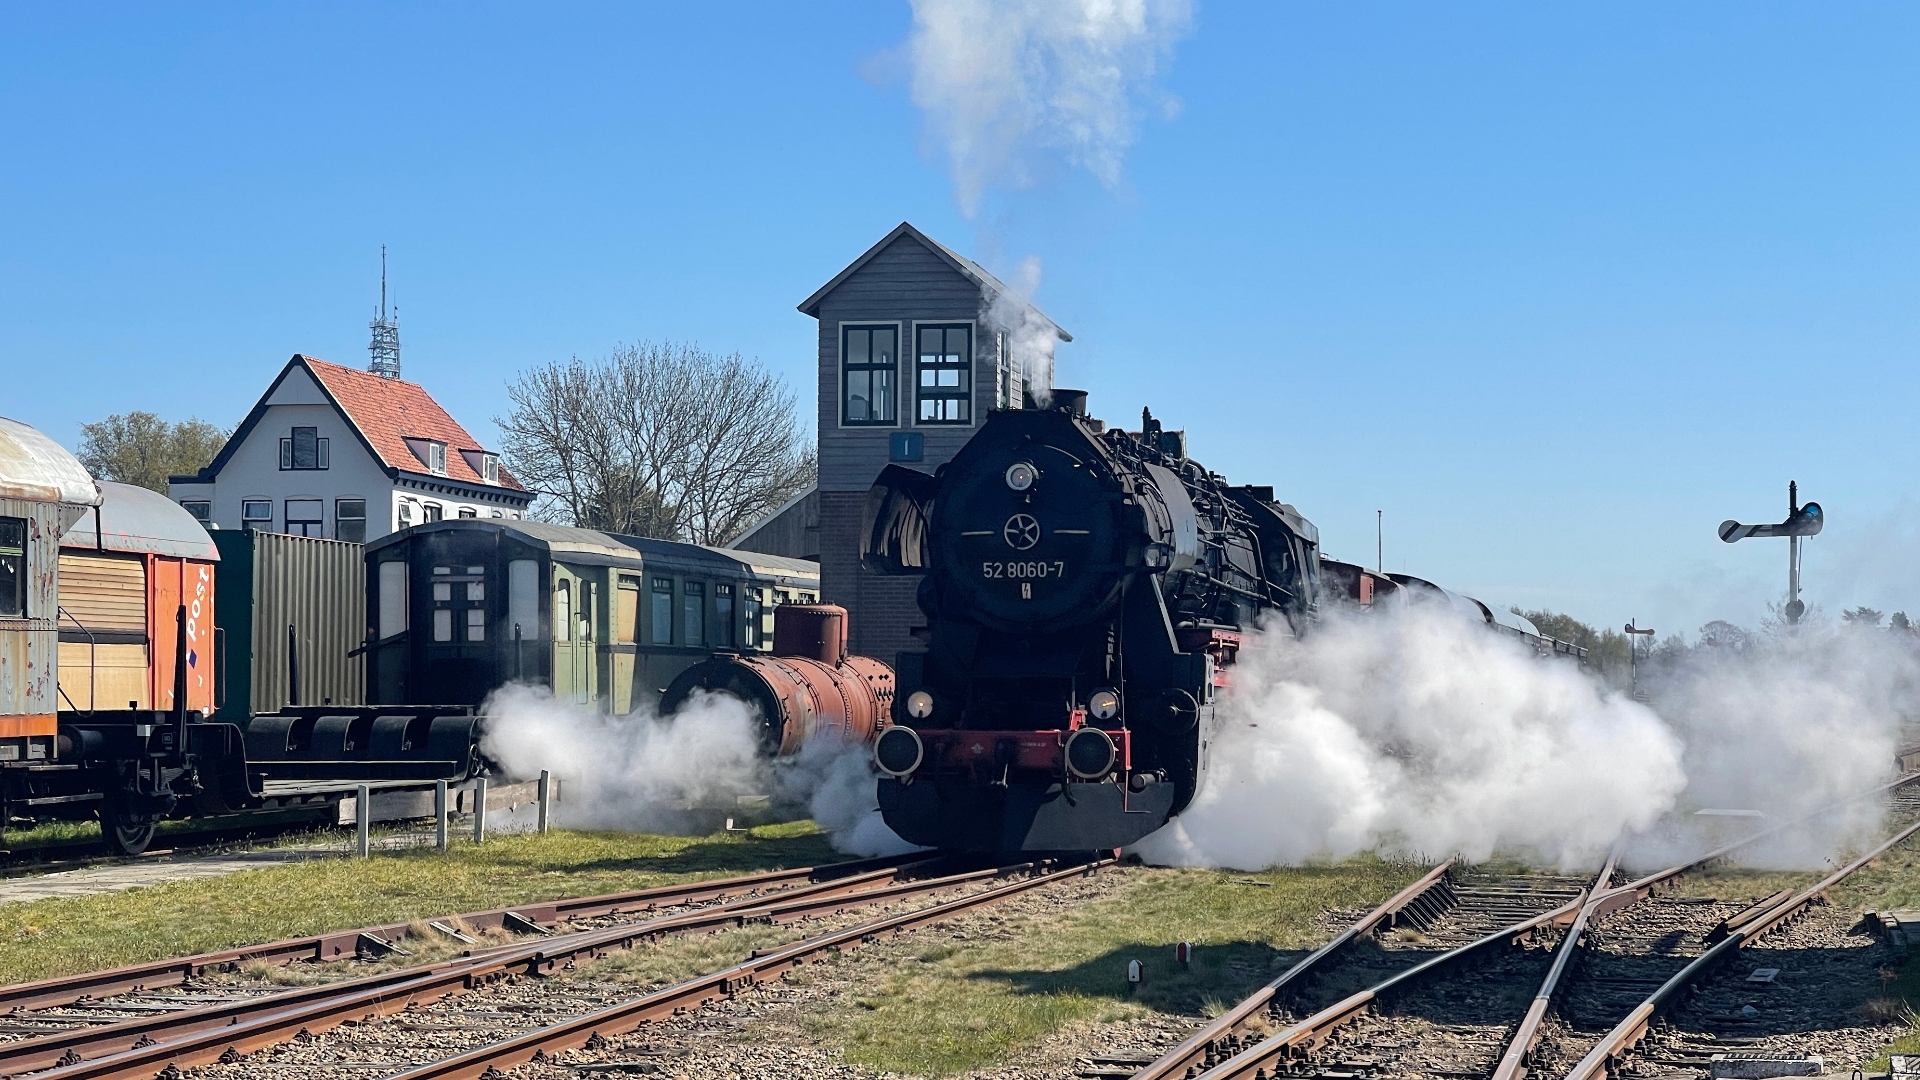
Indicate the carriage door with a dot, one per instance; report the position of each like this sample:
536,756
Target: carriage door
573,638
458,654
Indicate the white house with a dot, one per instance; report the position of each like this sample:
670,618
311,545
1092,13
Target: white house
345,454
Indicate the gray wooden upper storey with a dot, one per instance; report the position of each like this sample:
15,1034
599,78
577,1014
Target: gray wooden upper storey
915,288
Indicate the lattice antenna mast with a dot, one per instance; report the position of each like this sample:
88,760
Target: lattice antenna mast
384,350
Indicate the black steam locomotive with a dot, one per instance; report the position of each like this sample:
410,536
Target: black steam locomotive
1084,588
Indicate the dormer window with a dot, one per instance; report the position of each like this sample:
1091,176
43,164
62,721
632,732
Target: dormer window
431,452
304,449
484,465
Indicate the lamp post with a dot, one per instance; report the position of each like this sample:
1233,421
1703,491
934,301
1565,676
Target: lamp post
1801,521
1634,634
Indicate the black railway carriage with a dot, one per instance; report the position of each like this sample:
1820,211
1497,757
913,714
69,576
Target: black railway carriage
458,608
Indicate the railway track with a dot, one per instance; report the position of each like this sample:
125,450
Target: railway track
1611,959
226,1027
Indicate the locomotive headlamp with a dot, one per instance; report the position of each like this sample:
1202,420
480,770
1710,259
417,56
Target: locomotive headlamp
919,704
1104,704
898,751
1090,753
1021,475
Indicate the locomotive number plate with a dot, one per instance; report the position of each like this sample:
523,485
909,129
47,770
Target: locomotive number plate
1024,571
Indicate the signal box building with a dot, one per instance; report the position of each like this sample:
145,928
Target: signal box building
343,454
914,347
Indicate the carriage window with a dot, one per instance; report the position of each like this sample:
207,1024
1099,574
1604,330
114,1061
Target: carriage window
562,611
523,592
694,603
13,567
626,627
663,611
946,370
867,369
723,615
476,624
586,611
443,624
750,603
393,599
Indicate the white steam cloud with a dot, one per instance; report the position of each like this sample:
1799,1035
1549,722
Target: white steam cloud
1003,80
681,773
1028,337
1421,733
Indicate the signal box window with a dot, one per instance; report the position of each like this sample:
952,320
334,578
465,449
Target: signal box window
256,515
695,605
303,517
305,450
868,365
350,520
945,374
13,567
723,616
663,611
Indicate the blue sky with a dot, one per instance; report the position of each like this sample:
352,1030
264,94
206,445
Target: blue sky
1556,288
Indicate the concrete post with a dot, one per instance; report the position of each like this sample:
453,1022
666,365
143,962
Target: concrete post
440,815
479,809
362,821
546,789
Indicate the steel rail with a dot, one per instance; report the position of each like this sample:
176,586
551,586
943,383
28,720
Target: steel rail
1310,1033
339,944
1513,1063
1633,1028
1176,1061
707,988
137,1046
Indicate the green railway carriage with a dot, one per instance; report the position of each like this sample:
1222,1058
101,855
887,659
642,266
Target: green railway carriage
458,608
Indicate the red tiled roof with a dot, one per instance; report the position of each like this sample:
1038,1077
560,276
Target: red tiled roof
389,411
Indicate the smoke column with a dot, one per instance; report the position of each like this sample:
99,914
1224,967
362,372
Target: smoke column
644,772
1003,80
1029,337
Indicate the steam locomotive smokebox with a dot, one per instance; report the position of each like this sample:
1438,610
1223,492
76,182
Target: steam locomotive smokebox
810,688
815,631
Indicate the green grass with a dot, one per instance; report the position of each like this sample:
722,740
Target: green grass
939,1006
63,936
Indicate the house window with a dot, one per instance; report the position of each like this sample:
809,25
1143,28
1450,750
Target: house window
490,468
305,450
663,611
723,616
694,605
256,515
869,363
304,517
437,458
562,611
468,512
434,511
350,520
201,509
13,567
945,374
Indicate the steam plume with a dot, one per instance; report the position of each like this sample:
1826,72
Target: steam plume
1029,337
1001,80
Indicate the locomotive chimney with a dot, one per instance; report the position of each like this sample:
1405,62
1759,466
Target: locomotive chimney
1073,401
815,631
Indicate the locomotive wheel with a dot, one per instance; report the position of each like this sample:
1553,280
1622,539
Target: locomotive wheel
127,833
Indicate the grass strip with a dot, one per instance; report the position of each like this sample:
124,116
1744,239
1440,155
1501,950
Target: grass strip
62,936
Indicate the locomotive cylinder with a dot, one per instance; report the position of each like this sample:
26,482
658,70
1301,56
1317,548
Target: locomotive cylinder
809,688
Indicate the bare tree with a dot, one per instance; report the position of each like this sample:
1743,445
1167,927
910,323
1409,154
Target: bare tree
667,441
140,448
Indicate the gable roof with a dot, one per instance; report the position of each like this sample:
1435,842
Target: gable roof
383,412
966,266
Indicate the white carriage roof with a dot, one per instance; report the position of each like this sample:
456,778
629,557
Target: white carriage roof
37,469
136,519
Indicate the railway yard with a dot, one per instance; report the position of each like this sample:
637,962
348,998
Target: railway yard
930,964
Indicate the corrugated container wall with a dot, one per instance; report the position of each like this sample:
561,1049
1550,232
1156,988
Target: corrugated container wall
316,587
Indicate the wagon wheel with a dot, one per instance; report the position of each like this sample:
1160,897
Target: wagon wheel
126,832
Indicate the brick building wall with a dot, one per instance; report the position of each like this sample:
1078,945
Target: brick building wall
881,609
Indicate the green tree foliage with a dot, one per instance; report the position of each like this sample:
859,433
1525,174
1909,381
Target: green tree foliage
140,448
1863,617
1606,649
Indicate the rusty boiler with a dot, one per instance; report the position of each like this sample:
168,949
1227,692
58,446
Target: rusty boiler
807,688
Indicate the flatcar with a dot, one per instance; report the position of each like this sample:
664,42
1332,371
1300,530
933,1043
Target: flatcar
458,608
1086,592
